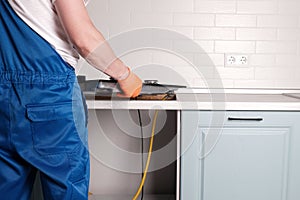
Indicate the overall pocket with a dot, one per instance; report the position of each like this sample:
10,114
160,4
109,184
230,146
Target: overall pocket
53,128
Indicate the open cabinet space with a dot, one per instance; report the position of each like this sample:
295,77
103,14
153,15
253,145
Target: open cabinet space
115,144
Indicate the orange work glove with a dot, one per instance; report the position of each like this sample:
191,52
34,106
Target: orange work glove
130,86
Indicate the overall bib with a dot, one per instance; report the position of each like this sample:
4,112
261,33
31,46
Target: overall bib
43,117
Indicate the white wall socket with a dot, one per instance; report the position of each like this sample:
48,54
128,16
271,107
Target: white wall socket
236,60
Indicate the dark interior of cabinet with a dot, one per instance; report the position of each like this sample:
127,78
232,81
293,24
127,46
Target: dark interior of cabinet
159,182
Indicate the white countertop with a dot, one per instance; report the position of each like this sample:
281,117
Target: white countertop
203,99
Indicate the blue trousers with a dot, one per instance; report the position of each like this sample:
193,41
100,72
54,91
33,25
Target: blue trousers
43,117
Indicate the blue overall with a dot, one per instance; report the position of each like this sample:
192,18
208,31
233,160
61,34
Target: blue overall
42,117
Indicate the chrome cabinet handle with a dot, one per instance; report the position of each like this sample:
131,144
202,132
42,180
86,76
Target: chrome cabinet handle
245,119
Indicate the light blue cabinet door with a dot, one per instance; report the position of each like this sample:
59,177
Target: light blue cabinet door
247,164
255,156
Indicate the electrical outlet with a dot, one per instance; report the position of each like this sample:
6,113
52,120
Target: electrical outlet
243,60
231,60
236,60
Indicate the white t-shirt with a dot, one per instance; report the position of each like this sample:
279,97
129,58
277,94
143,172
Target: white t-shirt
41,16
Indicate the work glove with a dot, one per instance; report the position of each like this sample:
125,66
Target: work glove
131,86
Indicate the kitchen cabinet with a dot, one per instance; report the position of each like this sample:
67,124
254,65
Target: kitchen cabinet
255,156
246,156
116,158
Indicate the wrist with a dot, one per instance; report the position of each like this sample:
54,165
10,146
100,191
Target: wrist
118,70
124,75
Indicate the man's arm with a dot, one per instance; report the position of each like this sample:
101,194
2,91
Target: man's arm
91,44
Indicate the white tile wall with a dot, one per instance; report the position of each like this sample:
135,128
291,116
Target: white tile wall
288,34
209,59
236,73
268,31
289,7
277,21
172,5
254,83
194,19
207,46
262,60
215,6
276,47
287,60
186,31
283,73
214,33
212,83
287,84
236,20
169,59
235,46
117,6
257,7
150,19
138,58
256,34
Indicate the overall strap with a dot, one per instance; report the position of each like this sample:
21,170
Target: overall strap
23,50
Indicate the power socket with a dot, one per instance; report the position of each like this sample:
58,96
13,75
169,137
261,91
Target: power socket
235,60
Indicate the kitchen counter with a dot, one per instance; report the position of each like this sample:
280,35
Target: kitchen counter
202,99
110,132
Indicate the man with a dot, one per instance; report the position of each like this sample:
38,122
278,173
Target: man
42,112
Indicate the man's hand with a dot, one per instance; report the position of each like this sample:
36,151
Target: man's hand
131,86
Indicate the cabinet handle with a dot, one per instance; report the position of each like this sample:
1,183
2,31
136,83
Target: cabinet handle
245,119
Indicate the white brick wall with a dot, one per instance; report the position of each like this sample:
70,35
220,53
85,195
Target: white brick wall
262,60
235,47
276,47
257,7
268,31
288,34
214,33
215,6
193,19
256,34
236,20
149,19
172,5
289,7
277,21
